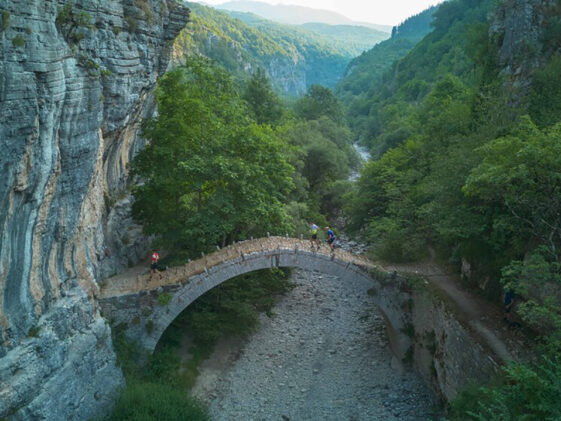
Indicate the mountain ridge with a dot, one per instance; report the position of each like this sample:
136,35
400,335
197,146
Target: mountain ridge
296,15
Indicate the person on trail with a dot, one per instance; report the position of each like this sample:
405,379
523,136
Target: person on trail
509,303
314,235
330,238
154,262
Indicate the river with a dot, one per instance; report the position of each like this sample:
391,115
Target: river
323,356
364,157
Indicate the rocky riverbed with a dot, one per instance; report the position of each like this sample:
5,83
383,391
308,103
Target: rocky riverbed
323,356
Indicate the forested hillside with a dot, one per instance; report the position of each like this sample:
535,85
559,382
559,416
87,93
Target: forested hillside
364,75
349,39
294,58
465,132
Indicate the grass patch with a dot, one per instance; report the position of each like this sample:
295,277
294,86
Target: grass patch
144,400
149,327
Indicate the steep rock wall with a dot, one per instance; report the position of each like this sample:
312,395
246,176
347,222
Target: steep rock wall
527,36
76,78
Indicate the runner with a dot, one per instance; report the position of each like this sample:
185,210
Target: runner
314,235
330,238
154,263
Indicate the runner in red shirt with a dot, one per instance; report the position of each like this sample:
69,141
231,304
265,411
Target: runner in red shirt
154,262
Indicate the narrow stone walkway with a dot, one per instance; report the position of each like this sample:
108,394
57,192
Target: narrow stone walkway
323,356
483,317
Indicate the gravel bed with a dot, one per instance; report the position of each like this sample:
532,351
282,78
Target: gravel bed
323,356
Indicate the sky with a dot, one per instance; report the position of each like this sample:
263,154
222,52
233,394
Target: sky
386,12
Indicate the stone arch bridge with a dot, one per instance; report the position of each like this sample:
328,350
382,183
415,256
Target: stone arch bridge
148,306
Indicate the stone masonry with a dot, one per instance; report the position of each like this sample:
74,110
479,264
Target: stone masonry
421,328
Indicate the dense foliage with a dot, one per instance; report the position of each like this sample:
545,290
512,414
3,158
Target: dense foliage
364,77
146,401
210,174
468,163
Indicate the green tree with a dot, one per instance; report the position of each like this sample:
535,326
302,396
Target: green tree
522,172
324,156
319,101
263,102
210,175
545,96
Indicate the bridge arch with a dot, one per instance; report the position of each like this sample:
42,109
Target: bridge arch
139,303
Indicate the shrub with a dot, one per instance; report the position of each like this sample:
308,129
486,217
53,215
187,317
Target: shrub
71,24
164,299
5,20
33,331
132,24
145,7
155,401
529,392
150,326
545,95
18,41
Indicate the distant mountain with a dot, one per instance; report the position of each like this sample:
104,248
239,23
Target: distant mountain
293,57
348,39
295,15
364,75
359,38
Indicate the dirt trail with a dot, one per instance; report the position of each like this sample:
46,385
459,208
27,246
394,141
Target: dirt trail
484,317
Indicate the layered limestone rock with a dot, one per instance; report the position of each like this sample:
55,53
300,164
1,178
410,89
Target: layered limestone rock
76,79
520,28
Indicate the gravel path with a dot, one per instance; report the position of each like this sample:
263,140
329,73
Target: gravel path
324,356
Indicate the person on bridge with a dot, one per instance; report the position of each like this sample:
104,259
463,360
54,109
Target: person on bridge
314,235
330,238
154,263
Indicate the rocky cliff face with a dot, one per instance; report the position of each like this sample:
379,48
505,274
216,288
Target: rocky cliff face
527,35
288,73
76,78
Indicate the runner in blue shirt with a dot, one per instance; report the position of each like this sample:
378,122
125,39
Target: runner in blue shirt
330,238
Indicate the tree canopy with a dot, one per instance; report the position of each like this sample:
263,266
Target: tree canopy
210,174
